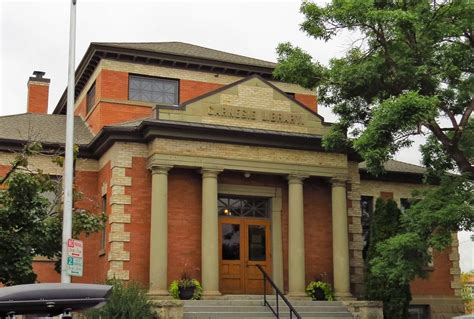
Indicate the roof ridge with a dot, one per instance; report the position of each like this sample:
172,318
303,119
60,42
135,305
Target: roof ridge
406,163
185,43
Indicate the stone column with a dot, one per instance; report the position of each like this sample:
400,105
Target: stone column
210,233
159,231
340,239
277,245
296,267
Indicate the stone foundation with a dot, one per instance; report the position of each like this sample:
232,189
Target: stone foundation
168,309
441,307
364,309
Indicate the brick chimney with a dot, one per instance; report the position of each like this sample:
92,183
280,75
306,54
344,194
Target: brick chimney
38,91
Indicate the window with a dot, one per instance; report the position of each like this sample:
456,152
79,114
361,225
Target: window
419,312
103,233
156,90
366,208
90,98
243,207
405,203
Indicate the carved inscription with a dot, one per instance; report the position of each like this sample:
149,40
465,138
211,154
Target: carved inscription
255,115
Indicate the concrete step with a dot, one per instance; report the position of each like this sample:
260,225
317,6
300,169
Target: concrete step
251,306
258,302
233,297
242,315
240,308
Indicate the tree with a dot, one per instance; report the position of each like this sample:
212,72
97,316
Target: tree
386,223
411,68
30,223
410,73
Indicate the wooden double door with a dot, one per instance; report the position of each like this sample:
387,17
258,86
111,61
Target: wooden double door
244,243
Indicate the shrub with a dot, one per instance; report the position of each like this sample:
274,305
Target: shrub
128,300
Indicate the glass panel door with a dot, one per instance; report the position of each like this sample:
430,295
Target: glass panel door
230,241
256,243
257,252
231,255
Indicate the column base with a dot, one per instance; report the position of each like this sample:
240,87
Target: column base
210,293
343,296
294,294
158,292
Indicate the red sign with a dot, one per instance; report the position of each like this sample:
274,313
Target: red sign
74,248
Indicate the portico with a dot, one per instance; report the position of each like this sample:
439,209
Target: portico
160,164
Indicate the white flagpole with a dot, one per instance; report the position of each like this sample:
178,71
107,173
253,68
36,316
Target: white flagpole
69,156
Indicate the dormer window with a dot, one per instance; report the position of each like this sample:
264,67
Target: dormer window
155,90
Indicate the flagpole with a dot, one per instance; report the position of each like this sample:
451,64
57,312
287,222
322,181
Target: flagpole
69,153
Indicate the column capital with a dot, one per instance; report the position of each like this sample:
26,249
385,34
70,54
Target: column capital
160,169
296,178
210,172
338,181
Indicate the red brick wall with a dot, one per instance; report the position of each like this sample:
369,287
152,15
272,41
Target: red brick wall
386,195
81,108
114,113
308,100
191,89
104,176
93,120
45,272
139,228
318,230
113,85
86,182
3,171
37,98
438,281
184,223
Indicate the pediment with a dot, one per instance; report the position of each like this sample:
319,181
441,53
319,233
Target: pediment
248,103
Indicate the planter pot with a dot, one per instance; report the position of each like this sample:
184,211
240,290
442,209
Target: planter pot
186,293
319,294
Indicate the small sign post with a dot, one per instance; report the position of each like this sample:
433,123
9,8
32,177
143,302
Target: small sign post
74,257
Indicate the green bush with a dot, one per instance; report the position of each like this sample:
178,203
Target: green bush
324,286
127,301
185,283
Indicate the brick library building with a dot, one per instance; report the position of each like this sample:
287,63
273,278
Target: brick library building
205,164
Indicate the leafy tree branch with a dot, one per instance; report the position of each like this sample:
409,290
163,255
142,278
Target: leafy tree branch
31,224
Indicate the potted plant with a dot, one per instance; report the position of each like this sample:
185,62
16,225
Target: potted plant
320,290
185,288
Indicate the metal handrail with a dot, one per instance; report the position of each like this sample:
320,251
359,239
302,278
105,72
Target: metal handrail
278,293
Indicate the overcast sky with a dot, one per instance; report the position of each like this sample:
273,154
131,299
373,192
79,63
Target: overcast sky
34,36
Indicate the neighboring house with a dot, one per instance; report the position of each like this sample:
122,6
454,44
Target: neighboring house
204,163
